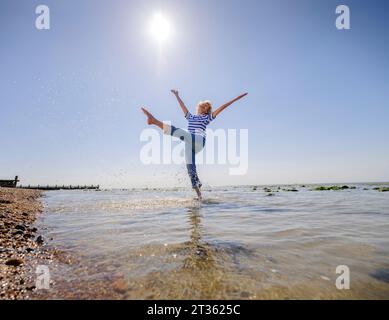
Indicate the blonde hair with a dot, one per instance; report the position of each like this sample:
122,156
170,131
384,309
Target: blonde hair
205,103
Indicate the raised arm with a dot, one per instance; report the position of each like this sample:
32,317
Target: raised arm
182,104
221,108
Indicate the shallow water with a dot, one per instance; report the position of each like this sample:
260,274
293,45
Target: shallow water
239,243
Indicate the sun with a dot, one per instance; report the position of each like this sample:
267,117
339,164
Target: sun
160,28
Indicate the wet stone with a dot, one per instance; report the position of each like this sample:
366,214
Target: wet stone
381,275
14,262
40,240
20,227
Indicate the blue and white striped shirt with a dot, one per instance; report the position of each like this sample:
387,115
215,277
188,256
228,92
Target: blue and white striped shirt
197,124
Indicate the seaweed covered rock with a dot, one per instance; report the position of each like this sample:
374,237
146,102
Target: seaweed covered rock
335,188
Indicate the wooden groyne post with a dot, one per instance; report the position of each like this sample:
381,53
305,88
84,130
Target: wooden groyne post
13,184
9,183
63,187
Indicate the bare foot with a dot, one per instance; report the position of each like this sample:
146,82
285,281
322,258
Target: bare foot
150,118
199,197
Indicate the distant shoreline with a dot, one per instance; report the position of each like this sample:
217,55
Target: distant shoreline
183,188
259,185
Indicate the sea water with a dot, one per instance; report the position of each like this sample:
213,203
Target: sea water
239,243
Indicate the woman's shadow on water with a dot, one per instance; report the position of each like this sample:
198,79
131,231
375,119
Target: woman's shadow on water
202,255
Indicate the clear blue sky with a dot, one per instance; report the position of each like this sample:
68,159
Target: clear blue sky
317,110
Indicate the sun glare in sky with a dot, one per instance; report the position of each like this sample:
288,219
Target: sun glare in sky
160,28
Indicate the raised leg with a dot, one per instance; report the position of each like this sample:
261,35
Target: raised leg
151,120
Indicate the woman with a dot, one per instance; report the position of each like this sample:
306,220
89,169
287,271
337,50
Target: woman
194,138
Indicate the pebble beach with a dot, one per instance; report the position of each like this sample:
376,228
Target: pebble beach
21,245
23,248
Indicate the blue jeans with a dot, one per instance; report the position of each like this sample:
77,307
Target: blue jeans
194,143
